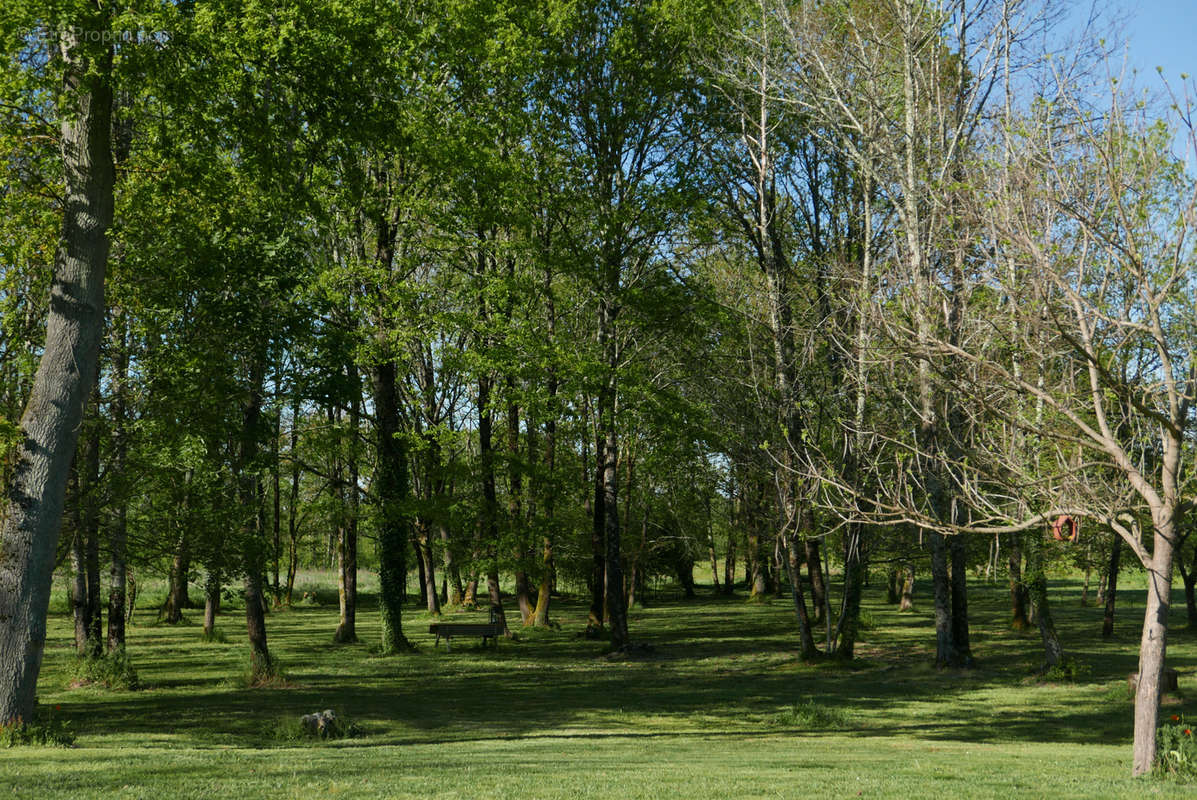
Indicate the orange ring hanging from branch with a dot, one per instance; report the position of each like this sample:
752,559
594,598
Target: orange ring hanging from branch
1066,528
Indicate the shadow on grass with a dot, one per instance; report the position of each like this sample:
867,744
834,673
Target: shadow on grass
721,668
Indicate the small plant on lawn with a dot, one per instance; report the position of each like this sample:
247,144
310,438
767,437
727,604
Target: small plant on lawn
1068,671
809,714
309,729
215,636
1176,749
112,671
49,732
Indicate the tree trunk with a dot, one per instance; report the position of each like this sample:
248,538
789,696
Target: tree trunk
814,572
118,529
945,652
907,602
1190,581
31,514
178,579
806,639
293,503
456,593
1107,623
1018,589
253,544
424,542
598,570
729,562
1037,588
615,605
211,602
79,593
391,490
849,623
90,499
758,564
960,637
1153,645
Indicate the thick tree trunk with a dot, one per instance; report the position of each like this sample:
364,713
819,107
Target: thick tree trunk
391,490
960,637
1111,598
1153,645
945,651
31,514
261,665
849,623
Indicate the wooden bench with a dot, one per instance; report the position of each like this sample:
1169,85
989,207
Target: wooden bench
487,630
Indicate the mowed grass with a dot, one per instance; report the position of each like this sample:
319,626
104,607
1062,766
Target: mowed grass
722,707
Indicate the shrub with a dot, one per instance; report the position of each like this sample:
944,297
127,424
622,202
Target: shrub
1069,670
50,732
112,671
1176,748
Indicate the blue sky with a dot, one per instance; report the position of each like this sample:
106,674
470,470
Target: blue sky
1160,33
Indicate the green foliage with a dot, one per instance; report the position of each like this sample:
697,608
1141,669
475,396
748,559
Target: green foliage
1176,749
110,671
51,732
1070,670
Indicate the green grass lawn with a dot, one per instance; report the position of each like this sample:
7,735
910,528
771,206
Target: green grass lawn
722,708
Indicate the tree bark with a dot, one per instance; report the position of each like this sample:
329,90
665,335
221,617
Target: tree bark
1037,589
598,570
118,529
1111,598
391,491
1153,644
945,651
960,637
253,543
79,592
907,602
32,510
616,602
814,573
211,602
1018,589
179,576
